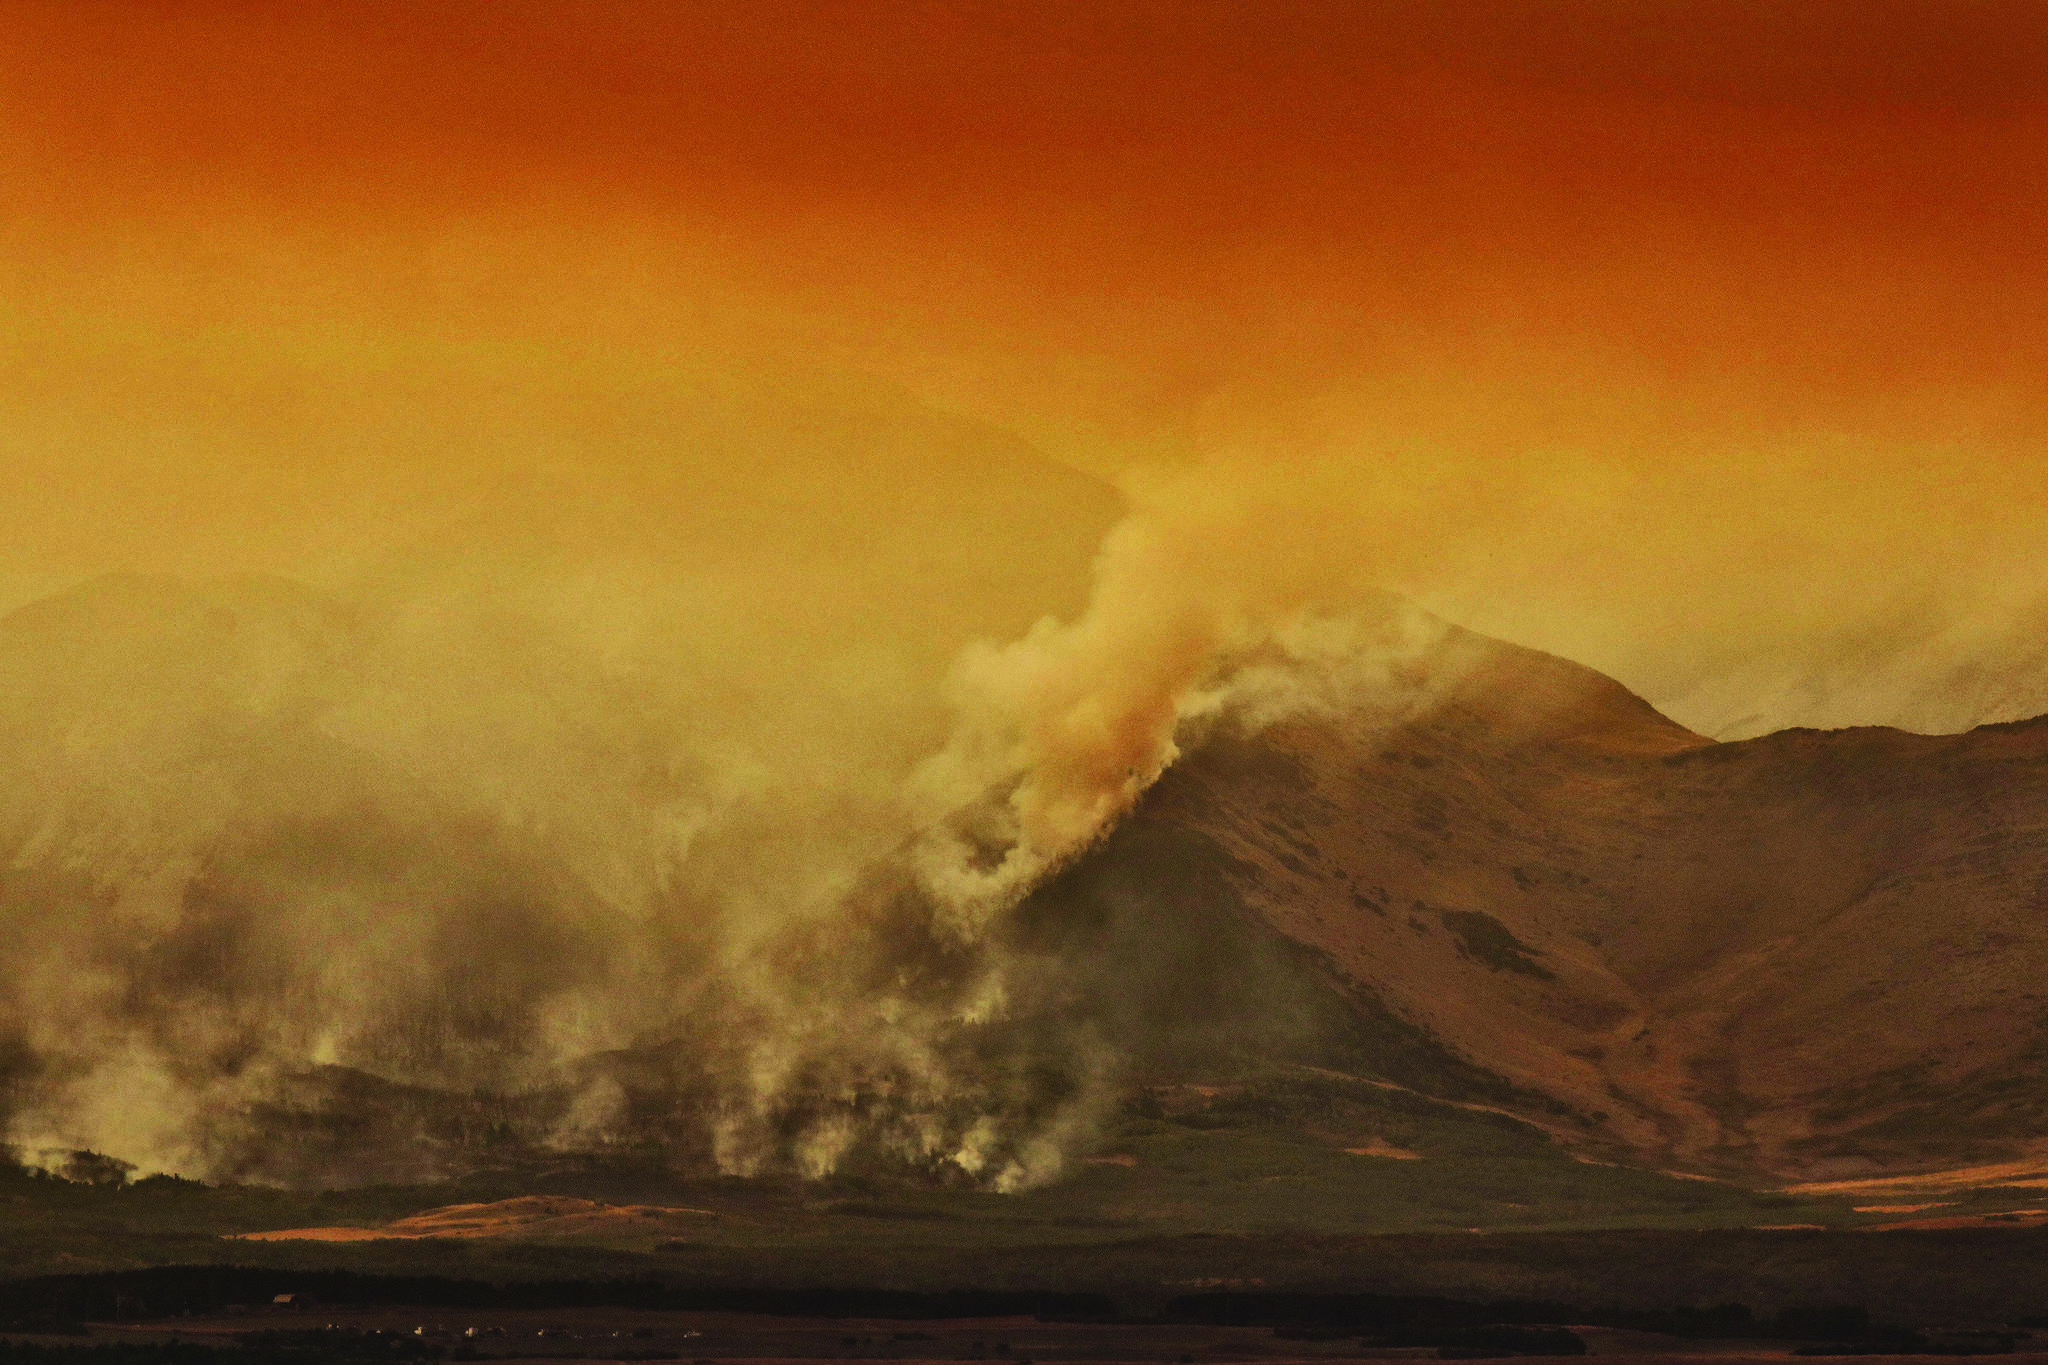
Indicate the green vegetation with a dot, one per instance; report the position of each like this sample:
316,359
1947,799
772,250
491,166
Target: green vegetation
1485,939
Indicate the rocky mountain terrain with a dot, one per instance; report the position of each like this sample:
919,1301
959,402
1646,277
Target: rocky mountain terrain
1811,954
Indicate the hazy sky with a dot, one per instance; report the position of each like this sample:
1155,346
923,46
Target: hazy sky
1700,341
766,481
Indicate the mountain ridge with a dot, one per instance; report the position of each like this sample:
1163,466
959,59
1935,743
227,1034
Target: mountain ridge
1626,917
1489,876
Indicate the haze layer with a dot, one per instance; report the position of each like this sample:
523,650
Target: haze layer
685,458
1693,341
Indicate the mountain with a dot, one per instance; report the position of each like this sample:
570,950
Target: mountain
327,890
1918,669
1801,956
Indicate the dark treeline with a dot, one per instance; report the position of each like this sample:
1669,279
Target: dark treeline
167,1291
268,1349
1390,1315
1426,1317
1533,1326
1457,1326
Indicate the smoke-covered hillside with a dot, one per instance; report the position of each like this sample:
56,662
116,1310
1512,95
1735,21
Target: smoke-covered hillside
287,900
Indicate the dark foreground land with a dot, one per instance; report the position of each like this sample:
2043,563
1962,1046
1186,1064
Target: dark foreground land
377,1319
1695,1297
1205,1244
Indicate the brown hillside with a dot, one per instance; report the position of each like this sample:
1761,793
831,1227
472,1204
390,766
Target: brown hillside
1811,954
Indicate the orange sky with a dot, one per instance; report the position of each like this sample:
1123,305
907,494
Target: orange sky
728,447
1853,189
1754,286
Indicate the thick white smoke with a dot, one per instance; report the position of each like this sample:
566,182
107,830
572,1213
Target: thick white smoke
1059,732
448,839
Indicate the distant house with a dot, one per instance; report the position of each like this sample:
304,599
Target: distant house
295,1302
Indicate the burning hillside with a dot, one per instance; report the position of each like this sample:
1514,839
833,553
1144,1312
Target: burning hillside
1392,850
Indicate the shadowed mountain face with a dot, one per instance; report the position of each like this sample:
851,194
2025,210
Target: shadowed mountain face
1813,953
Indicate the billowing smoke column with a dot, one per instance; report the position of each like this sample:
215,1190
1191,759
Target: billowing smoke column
1059,732
437,862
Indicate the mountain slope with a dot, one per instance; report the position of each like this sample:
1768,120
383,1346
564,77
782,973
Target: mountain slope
1807,954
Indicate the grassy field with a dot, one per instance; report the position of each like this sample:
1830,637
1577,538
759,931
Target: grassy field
1252,1187
1308,1154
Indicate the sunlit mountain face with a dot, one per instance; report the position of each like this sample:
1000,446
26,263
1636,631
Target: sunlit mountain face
790,587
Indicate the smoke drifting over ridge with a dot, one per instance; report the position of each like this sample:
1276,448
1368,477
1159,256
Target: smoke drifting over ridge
683,810
444,839
572,478
1693,342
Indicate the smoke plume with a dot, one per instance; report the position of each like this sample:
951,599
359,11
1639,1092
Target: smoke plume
350,883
